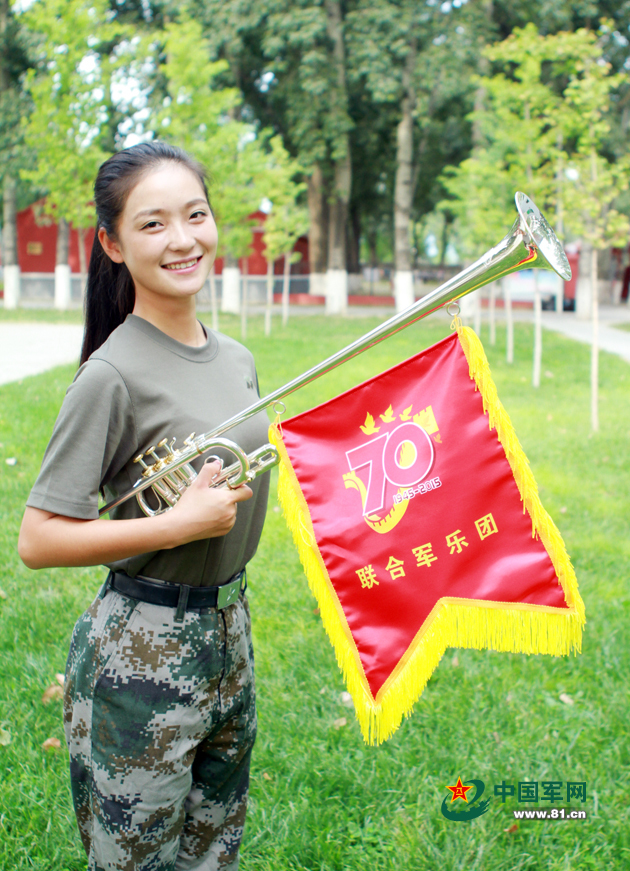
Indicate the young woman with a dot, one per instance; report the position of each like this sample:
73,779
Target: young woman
159,701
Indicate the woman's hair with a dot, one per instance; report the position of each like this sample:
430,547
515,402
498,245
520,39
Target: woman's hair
110,292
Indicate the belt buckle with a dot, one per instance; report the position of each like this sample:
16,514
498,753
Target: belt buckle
228,593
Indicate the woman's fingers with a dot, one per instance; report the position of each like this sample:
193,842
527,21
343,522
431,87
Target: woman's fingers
209,472
241,493
205,511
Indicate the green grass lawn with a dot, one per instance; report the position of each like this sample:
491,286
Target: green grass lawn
320,799
48,315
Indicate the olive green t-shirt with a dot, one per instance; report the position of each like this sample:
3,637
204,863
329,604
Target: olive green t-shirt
139,387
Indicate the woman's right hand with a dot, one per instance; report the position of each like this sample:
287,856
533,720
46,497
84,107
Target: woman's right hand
205,511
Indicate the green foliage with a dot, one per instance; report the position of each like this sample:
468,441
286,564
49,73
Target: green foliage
15,59
544,126
283,227
298,51
246,164
321,799
70,93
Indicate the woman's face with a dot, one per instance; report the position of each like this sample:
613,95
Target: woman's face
166,234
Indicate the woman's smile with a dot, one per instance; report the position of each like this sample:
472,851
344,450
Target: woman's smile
182,265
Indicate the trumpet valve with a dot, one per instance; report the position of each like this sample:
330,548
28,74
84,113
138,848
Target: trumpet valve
146,470
157,465
170,456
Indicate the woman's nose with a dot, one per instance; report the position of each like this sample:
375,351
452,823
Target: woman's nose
181,237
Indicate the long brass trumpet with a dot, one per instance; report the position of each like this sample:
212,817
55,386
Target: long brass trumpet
530,243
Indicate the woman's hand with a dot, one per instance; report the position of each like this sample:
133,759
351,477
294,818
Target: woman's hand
203,511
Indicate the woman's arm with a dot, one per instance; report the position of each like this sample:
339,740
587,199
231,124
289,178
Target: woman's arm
48,540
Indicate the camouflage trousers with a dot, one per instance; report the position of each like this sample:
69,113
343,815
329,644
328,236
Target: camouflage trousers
160,722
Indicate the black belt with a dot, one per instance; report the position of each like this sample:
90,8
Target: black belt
179,596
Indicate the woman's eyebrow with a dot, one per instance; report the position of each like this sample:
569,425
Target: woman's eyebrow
188,205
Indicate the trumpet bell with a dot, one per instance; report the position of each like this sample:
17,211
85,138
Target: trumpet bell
549,249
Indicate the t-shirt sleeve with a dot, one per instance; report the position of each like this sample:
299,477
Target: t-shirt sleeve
93,438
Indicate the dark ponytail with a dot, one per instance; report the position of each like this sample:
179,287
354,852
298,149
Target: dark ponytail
110,293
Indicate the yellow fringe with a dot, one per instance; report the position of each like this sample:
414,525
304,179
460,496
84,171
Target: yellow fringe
501,626
542,524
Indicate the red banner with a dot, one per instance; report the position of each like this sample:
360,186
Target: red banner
414,516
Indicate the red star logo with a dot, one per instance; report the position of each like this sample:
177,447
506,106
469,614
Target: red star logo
459,790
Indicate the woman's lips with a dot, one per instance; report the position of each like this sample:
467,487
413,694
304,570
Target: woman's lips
179,270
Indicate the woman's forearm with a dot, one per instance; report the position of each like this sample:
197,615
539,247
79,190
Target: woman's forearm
48,540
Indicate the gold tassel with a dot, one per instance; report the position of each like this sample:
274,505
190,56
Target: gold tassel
501,626
542,524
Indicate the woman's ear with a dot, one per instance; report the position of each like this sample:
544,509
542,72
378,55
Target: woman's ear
110,246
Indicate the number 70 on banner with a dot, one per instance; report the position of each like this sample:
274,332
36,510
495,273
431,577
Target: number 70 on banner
403,457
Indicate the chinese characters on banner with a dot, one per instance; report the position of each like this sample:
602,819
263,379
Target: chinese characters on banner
485,526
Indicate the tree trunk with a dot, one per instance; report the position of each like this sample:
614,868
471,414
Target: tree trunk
82,257
9,224
318,230
230,285
337,278
595,319
537,333
63,278
63,242
354,252
9,244
559,226
583,300
337,227
509,323
286,278
492,314
245,286
213,299
403,191
595,345
5,79
269,305
476,297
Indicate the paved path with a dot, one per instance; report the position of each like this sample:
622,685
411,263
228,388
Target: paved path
610,339
31,348
28,349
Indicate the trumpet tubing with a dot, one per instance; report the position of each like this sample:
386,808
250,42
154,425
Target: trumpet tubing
530,243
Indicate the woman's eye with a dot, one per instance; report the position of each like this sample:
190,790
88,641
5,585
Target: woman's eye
150,225
199,214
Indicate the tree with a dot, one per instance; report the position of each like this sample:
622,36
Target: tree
413,59
594,181
288,58
68,92
285,223
546,125
246,165
14,105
